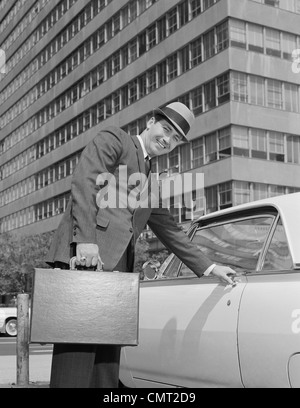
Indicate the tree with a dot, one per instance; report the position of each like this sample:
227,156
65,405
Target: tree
19,256
141,254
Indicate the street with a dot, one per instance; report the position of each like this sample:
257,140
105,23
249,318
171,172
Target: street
39,361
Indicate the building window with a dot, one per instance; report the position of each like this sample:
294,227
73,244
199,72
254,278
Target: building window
152,36
291,102
240,140
225,143
152,84
258,144
211,195
162,73
225,195
273,42
172,21
133,50
210,95
241,192
209,44
276,191
276,145
174,161
293,149
184,59
274,94
260,191
132,10
255,38
257,90
172,67
185,154
142,43
195,8
196,52
222,36
211,148
162,29
184,13
239,87
197,101
197,153
223,89
289,44
238,33
142,85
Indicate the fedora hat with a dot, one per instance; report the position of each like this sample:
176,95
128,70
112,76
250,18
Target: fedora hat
179,115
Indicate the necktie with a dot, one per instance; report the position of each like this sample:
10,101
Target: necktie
147,165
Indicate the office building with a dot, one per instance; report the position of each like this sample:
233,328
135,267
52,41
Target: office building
74,67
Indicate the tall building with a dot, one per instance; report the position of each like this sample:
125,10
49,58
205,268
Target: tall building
73,67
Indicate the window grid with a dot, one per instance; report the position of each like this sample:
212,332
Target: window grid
98,74
70,63
104,109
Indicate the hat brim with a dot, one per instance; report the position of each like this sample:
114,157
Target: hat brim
173,123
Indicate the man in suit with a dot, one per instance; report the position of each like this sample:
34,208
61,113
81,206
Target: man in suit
107,234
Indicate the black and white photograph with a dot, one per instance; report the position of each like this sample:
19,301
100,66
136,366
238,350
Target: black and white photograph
149,197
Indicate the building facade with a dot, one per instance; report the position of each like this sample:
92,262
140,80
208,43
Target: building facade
73,67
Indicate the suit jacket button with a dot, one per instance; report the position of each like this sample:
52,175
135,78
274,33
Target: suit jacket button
131,230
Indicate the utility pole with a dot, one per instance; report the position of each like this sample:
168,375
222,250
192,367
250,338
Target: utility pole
23,328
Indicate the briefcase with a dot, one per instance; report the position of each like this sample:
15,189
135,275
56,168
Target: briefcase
84,307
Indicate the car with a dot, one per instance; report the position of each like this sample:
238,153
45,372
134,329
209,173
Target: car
8,321
204,334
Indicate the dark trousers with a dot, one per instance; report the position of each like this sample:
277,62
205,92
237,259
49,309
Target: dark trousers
87,366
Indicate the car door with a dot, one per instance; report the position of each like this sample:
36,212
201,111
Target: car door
269,342
188,326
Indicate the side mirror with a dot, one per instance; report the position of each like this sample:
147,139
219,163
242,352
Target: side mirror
150,270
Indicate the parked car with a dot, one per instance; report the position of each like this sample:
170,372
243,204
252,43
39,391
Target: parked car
201,333
8,321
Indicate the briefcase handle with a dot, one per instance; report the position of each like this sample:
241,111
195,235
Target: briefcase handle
73,263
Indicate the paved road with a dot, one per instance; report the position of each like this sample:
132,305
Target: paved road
40,357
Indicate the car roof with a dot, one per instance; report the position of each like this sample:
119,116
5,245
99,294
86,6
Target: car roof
288,206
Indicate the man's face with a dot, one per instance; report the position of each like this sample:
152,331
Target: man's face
161,138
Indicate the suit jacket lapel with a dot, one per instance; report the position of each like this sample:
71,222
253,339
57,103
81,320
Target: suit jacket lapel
140,155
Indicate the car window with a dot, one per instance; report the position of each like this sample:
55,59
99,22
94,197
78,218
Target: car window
278,256
236,243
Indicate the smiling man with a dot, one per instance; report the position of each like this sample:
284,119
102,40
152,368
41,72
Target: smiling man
109,234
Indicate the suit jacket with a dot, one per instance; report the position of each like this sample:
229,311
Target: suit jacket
112,229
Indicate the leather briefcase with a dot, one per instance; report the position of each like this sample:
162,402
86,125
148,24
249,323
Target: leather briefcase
84,307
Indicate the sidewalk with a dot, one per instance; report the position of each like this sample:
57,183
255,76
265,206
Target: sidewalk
39,371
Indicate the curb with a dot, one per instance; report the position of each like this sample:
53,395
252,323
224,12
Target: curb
30,385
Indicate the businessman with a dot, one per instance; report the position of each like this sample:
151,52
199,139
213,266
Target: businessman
95,233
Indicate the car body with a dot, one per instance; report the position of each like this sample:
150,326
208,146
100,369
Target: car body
201,333
8,321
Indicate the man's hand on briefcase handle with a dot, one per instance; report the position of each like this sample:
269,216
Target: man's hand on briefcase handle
88,255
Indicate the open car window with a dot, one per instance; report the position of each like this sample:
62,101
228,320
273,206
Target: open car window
235,243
